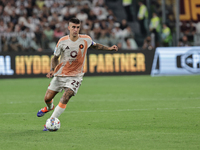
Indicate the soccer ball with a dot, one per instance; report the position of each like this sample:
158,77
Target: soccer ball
53,124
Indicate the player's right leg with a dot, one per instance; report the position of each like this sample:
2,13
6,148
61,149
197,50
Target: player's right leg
49,103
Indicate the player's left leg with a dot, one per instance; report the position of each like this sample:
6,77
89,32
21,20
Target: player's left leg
60,108
71,86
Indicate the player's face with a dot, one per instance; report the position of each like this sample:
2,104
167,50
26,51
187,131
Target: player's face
74,29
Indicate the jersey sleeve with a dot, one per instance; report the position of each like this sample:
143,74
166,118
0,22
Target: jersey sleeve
90,41
93,43
57,50
60,45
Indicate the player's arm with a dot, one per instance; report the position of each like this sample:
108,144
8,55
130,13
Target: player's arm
98,46
54,63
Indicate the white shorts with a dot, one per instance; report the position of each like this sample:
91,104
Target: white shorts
58,83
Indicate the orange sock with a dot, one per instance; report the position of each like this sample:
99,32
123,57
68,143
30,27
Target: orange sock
61,105
60,108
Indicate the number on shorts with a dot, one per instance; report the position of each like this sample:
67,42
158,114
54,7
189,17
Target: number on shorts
75,83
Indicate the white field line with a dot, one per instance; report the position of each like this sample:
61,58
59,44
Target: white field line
96,100
102,111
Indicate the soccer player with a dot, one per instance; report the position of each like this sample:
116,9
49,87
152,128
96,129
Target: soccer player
68,72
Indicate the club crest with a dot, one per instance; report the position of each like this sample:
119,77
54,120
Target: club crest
81,46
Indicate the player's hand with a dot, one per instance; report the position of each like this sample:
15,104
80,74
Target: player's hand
50,74
114,48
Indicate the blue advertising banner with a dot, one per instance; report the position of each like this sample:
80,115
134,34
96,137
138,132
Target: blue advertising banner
176,61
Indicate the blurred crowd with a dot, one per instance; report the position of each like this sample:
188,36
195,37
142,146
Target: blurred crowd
190,34
161,33
37,25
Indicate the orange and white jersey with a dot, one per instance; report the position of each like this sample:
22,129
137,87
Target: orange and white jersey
72,54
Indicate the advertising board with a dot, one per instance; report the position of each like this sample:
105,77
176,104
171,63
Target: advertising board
123,62
176,61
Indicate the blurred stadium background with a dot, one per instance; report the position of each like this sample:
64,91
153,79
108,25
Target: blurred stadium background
30,29
36,25
111,111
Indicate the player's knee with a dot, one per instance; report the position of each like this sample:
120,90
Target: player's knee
66,96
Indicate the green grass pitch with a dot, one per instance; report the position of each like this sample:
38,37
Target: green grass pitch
108,113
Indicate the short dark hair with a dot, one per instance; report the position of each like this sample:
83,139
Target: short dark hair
75,20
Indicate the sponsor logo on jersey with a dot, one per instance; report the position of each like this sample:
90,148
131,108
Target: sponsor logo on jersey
73,54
